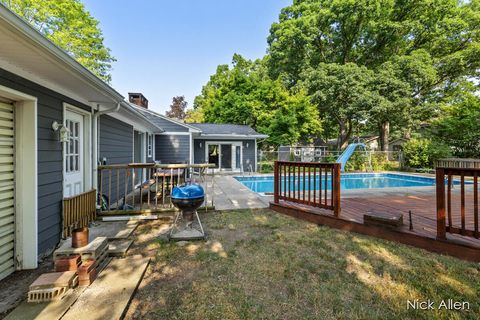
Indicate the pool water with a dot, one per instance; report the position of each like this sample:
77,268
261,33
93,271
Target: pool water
348,181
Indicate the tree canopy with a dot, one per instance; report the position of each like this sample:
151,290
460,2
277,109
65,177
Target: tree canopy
245,94
177,108
399,57
70,26
458,126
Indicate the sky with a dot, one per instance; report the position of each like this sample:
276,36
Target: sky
166,48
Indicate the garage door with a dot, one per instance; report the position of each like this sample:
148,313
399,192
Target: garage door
7,190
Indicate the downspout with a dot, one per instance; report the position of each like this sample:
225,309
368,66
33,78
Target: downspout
95,118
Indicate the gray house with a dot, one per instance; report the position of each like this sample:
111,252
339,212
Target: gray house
231,147
58,122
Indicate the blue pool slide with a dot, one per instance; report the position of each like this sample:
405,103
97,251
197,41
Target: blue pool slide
343,158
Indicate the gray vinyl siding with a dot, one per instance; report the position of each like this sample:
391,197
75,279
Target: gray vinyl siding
137,146
199,152
116,146
50,157
172,148
249,155
248,152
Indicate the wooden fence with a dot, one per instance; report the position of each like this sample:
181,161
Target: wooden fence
448,210
79,211
313,184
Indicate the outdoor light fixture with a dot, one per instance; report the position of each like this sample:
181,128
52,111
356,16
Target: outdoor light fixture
247,144
200,144
64,132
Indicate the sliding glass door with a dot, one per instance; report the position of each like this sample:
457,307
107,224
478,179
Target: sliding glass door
227,156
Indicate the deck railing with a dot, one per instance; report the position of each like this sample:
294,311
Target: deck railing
78,211
309,183
139,188
450,211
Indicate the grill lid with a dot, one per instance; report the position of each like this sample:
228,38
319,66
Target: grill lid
191,191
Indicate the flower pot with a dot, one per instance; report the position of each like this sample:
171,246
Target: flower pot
79,237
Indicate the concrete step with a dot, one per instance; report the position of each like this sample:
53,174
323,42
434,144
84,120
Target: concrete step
119,248
113,230
109,295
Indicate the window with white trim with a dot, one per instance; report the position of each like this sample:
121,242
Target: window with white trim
150,145
72,153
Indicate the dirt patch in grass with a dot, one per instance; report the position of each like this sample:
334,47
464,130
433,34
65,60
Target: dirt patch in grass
258,264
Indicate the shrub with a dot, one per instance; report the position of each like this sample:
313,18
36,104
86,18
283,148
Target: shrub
329,158
357,162
292,156
266,167
422,153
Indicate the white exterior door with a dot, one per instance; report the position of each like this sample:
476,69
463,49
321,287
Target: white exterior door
73,163
7,190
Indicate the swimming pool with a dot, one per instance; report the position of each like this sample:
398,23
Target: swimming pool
348,181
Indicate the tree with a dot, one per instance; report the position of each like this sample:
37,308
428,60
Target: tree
71,27
458,127
177,108
369,33
194,116
428,45
390,101
342,94
245,94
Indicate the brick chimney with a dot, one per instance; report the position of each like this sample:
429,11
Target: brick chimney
138,99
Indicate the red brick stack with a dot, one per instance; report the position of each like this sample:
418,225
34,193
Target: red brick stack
52,286
67,263
87,273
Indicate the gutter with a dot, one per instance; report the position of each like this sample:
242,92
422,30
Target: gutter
231,135
94,160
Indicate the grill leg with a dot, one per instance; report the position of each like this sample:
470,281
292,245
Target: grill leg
174,223
199,223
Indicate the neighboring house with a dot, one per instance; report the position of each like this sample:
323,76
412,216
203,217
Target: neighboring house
44,92
302,153
372,142
397,144
230,147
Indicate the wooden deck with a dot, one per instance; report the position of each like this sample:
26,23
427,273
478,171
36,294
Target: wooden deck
423,234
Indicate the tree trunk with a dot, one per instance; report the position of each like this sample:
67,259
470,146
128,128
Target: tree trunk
384,135
345,133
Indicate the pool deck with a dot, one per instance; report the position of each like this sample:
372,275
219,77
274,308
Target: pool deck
229,194
422,203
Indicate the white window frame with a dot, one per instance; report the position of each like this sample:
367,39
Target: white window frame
149,145
234,145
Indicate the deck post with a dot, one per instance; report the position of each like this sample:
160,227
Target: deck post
276,177
336,189
440,182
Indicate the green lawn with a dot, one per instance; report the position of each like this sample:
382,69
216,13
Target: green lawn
263,265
